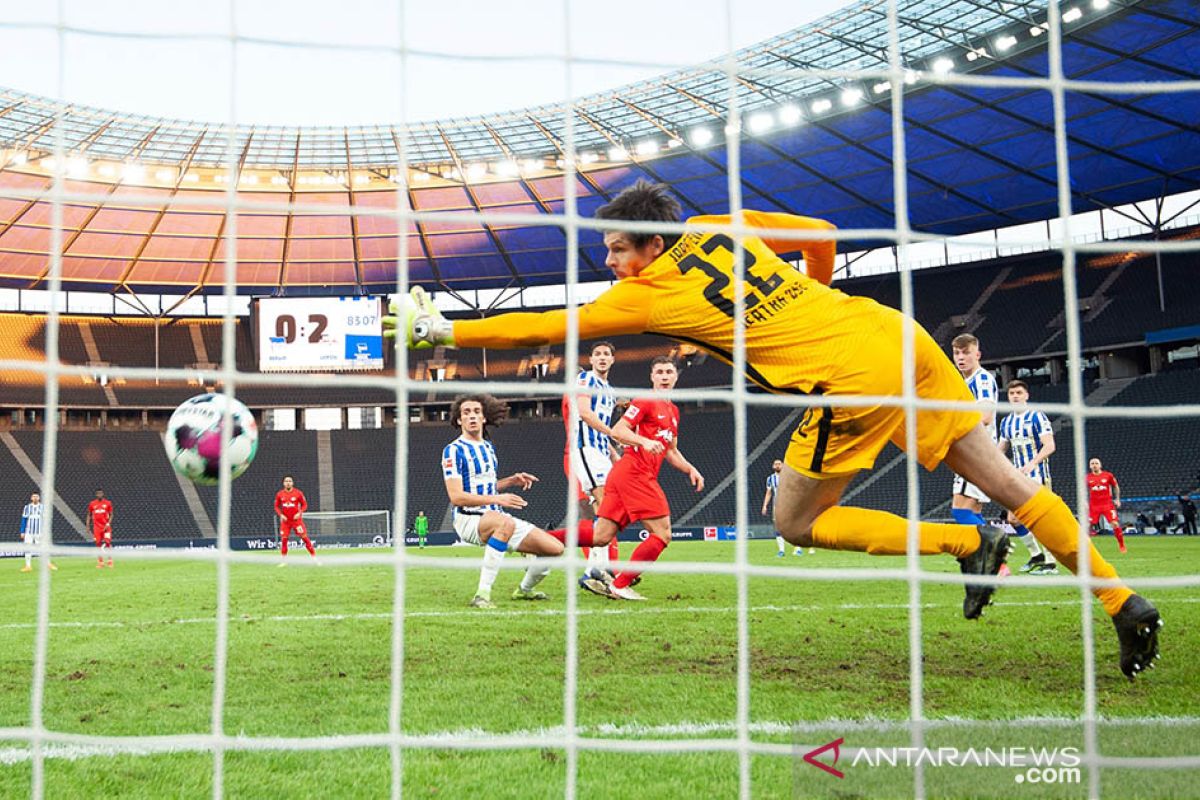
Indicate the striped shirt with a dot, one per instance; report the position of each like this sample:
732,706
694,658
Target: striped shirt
983,387
603,404
773,485
1023,430
31,519
474,463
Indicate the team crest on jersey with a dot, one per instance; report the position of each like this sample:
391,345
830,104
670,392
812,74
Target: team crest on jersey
665,435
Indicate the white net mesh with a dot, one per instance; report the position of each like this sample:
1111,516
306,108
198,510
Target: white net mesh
737,736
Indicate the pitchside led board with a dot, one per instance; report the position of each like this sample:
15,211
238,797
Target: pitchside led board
319,333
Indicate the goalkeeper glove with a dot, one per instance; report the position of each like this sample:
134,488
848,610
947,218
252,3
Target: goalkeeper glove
417,320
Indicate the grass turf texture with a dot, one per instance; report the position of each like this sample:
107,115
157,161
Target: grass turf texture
131,653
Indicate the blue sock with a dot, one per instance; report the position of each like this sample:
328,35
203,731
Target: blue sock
1021,529
965,516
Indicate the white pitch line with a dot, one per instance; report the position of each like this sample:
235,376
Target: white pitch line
187,742
547,612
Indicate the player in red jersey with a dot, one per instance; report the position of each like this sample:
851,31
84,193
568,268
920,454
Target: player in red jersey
99,519
1104,498
290,505
650,431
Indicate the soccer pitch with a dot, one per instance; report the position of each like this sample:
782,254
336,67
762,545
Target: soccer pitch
131,652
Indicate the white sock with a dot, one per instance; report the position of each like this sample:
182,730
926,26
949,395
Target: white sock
1035,549
534,575
29,559
492,558
782,544
598,558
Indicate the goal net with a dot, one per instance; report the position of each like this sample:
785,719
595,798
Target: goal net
745,675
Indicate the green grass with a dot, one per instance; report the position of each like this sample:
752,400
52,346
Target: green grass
832,656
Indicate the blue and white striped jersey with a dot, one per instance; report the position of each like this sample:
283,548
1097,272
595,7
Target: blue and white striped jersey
31,519
603,404
475,464
1023,431
773,485
983,387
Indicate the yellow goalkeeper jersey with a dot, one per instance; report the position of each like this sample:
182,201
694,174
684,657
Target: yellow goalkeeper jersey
799,332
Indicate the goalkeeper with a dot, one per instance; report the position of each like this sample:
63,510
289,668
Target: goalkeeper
421,528
804,338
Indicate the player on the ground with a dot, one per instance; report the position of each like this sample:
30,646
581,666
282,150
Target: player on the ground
768,508
649,430
1027,436
968,500
479,498
802,337
31,529
100,519
1104,498
588,451
421,528
290,505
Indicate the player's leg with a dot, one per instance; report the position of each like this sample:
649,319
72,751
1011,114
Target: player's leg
534,541
781,543
302,529
965,509
659,529
1110,514
108,543
98,536
493,530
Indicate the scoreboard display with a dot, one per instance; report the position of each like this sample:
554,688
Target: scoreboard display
308,334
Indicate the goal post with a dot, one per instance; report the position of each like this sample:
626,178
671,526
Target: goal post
350,527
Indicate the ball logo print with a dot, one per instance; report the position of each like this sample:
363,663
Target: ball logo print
193,438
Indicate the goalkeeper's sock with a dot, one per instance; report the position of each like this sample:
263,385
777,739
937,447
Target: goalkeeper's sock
534,575
308,545
1058,530
493,556
648,550
882,534
584,533
1031,543
965,516
782,543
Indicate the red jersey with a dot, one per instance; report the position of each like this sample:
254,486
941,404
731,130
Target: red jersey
653,418
101,512
290,504
1100,488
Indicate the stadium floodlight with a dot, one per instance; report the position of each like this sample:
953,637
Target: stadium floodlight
942,65
673,142
360,178
589,157
790,114
1099,5
821,106
164,175
762,121
421,177
106,170
852,96
278,180
19,158
646,148
881,87
531,165
508,169
1035,31
251,179
910,76
617,154
1005,42
700,136
476,171
77,167
133,171
1071,14
191,177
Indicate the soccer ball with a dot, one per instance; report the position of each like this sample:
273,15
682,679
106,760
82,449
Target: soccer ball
193,439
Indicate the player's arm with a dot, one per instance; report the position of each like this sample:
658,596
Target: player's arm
1045,450
819,254
624,433
583,403
525,480
303,504
1116,491
278,507
766,501
463,499
24,519
676,460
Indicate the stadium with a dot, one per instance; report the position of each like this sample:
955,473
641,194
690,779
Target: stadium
1022,173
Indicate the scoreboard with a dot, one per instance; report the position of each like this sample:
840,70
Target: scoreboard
319,333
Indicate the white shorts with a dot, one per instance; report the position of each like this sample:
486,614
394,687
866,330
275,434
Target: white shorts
467,528
31,538
967,489
591,467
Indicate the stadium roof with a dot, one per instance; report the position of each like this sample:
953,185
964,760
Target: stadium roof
145,196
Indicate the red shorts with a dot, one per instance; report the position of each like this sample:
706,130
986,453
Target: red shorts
630,496
1109,512
102,533
289,526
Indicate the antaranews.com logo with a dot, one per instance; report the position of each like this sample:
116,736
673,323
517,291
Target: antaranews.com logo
1035,765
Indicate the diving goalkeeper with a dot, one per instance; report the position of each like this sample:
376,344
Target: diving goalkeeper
804,338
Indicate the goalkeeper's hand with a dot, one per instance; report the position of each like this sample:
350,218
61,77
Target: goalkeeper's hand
419,323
